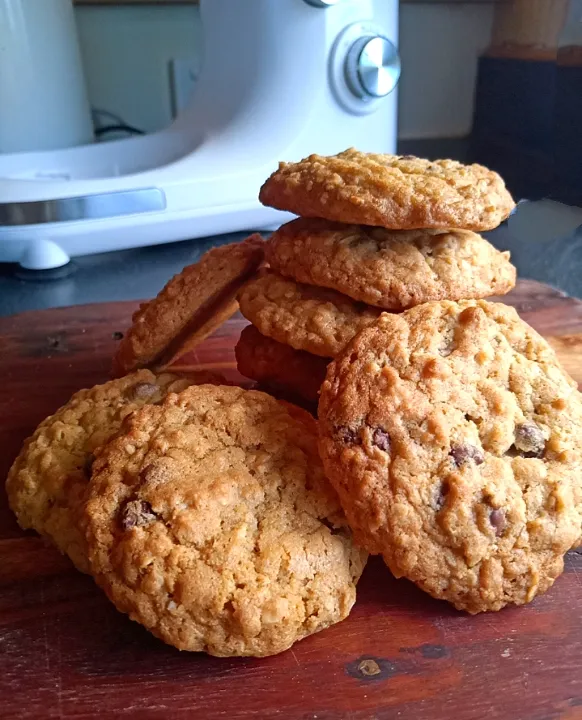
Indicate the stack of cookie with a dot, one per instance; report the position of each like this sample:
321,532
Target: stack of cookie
447,426
376,233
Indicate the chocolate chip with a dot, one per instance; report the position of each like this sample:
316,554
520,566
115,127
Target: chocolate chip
142,391
117,335
347,435
465,453
381,439
440,495
529,440
447,345
498,520
137,513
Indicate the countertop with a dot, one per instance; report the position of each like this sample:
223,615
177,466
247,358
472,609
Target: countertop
122,275
545,240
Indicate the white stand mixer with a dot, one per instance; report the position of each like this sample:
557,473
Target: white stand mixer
280,79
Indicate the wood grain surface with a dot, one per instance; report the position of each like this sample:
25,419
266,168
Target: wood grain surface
65,652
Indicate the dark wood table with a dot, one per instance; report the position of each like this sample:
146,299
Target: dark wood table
65,652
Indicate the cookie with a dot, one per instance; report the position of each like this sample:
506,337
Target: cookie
306,317
279,367
210,521
454,439
390,269
189,308
47,480
400,192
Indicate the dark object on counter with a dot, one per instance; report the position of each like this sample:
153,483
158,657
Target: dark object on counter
567,185
513,124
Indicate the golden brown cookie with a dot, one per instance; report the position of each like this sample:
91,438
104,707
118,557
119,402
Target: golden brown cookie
317,320
400,192
454,439
278,366
190,307
210,521
390,269
47,480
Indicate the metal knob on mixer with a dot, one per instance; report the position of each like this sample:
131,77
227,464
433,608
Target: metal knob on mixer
372,67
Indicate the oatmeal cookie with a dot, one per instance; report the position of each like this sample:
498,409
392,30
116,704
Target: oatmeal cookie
390,269
400,192
278,366
190,307
209,520
314,319
454,439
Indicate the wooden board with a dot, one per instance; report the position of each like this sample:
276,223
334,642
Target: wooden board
65,652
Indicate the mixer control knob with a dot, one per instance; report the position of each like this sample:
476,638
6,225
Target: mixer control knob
372,67
322,3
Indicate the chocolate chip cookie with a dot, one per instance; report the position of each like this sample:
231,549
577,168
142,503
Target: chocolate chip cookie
390,269
392,191
279,367
192,305
46,483
454,439
210,521
305,317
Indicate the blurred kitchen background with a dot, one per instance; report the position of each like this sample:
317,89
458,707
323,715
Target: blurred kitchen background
491,81
130,52
482,65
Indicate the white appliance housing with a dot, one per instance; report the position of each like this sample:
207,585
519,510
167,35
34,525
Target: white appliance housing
280,79
42,88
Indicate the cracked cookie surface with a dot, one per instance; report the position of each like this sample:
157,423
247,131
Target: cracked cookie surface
47,480
453,437
193,304
317,320
390,269
279,367
393,191
210,521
